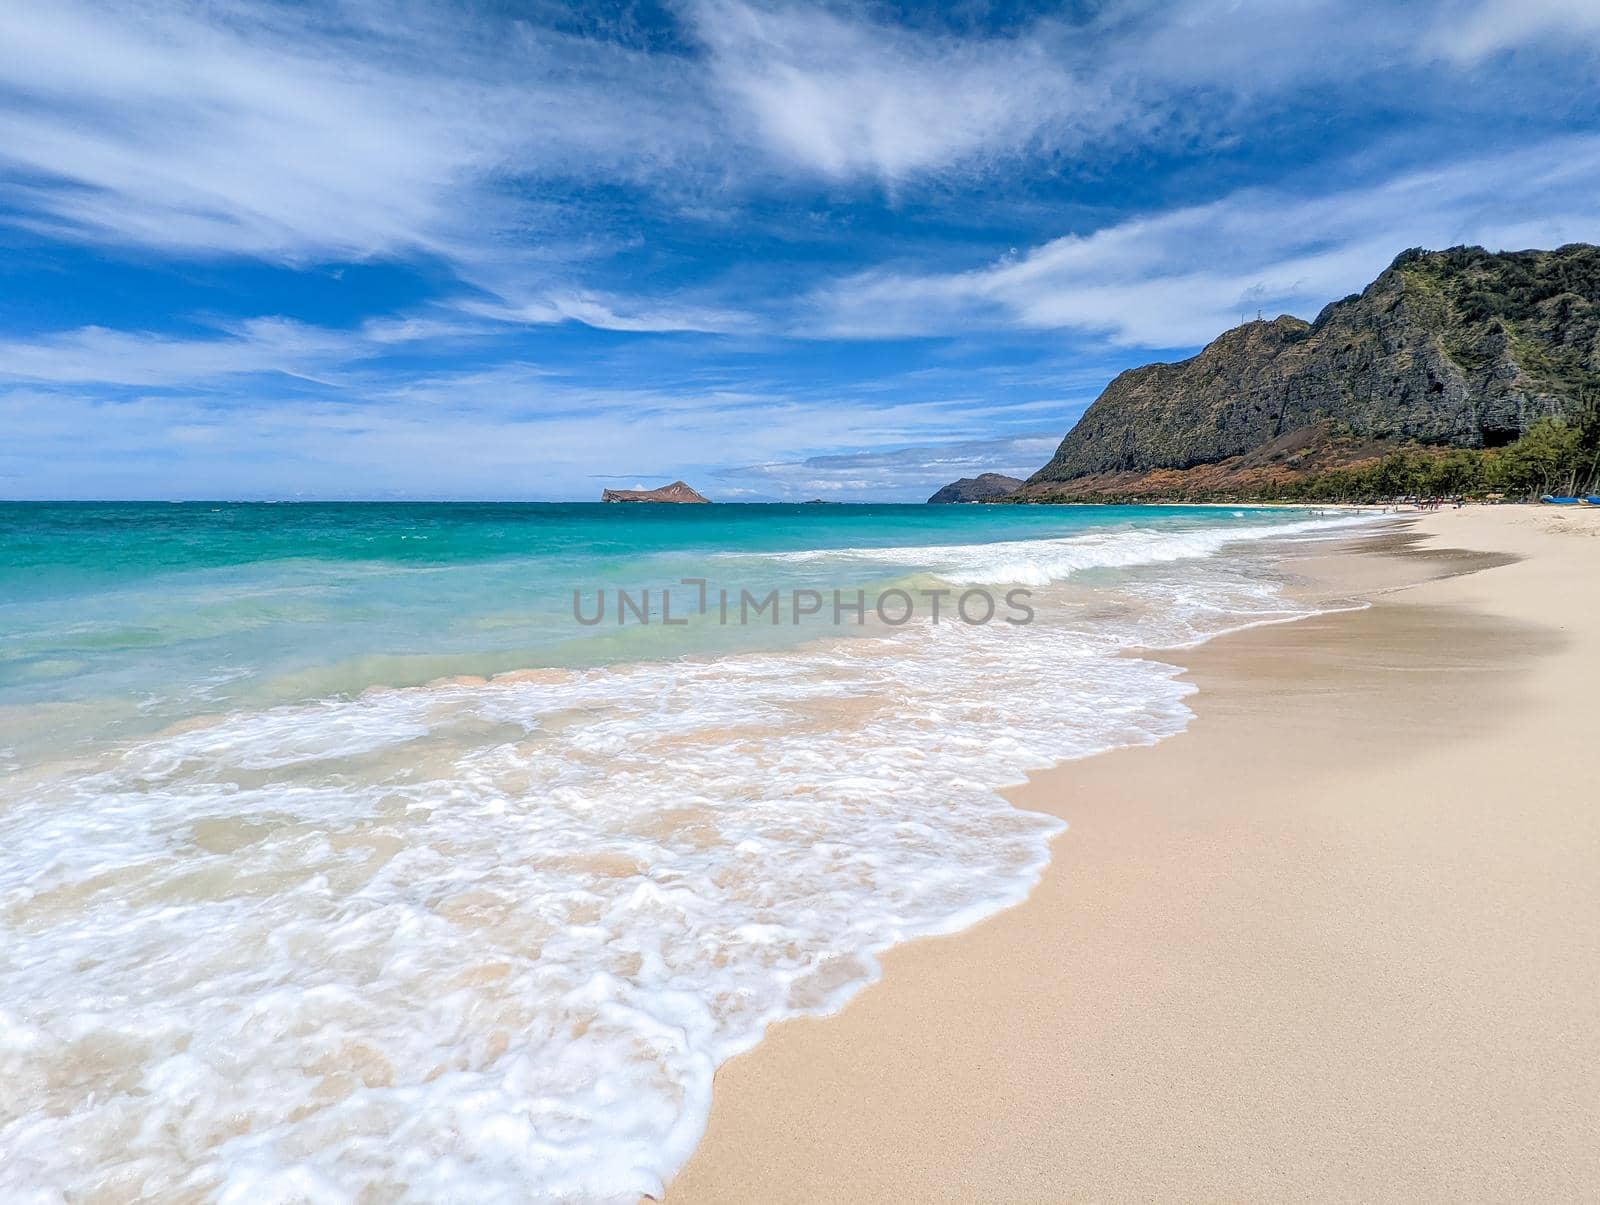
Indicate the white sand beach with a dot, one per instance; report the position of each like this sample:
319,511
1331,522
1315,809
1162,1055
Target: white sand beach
1338,940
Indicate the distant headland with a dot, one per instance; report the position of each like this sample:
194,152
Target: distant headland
1457,373
978,489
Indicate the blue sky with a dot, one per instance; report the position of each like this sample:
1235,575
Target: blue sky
529,250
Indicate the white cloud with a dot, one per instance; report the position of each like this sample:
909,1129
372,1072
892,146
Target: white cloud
846,98
1471,33
1179,278
266,130
94,354
162,129
505,430
295,133
100,355
607,312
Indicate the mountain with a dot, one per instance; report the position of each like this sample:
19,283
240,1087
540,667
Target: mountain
676,492
1460,348
977,489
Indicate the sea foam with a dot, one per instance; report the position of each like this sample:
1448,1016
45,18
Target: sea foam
492,941
1041,562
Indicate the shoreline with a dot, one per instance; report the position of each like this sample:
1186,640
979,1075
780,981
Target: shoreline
640,866
1256,966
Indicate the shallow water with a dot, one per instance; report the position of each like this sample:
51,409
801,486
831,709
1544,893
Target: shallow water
283,924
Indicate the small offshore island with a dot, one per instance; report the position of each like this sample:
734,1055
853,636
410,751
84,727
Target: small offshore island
678,491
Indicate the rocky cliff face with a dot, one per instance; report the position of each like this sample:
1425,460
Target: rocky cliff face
977,489
676,492
1461,347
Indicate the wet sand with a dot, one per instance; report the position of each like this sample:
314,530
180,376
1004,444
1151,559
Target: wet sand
1339,940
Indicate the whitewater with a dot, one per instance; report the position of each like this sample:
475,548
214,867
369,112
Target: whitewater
490,936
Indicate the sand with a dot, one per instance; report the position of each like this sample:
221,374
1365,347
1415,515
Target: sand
1339,940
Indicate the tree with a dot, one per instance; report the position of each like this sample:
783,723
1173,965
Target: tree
1587,423
1547,459
1458,472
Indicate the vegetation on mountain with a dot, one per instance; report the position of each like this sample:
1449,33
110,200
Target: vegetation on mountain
1556,456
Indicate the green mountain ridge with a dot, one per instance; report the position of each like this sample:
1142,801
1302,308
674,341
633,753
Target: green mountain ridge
1462,348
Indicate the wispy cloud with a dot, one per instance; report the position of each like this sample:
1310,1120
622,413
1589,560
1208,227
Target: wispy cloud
605,312
95,355
1179,278
847,98
292,133
1469,33
163,128
509,431
836,93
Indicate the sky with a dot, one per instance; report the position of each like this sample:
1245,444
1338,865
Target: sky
518,249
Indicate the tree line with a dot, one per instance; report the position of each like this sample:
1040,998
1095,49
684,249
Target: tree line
1555,456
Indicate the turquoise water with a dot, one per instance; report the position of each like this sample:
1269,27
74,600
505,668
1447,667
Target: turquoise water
297,900
119,618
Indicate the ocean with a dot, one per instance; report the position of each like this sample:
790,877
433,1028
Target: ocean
433,851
